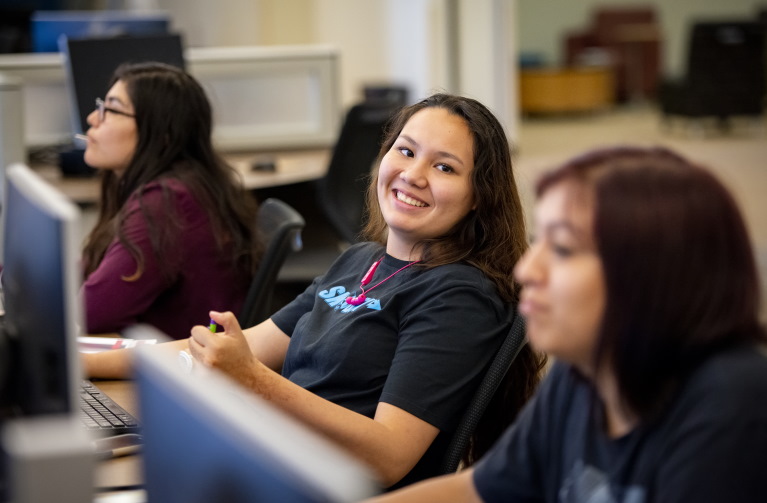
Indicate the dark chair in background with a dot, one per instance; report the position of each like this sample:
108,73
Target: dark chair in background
341,193
725,73
334,206
512,345
280,227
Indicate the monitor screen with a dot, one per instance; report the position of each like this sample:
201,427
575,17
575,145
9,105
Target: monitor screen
90,63
208,439
47,26
40,369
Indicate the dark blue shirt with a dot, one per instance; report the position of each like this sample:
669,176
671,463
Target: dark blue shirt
710,445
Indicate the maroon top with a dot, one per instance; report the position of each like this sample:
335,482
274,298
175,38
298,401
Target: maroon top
201,278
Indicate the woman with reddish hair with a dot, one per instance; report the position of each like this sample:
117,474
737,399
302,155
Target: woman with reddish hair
642,283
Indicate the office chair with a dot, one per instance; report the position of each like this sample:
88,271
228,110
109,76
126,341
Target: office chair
280,226
725,73
459,443
341,193
335,205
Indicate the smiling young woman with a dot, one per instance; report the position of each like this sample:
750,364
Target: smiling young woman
424,180
384,352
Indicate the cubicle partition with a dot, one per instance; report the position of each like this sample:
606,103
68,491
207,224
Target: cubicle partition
270,97
264,97
45,107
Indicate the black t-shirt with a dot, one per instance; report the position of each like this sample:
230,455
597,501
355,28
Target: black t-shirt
421,341
710,446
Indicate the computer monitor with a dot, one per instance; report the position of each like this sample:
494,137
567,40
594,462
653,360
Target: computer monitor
208,439
46,452
40,369
47,26
90,63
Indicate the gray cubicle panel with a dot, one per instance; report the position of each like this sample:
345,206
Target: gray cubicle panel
45,99
263,98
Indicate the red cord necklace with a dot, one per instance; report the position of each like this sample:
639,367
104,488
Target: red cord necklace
356,300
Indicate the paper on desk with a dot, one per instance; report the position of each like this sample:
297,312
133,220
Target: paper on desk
99,344
125,496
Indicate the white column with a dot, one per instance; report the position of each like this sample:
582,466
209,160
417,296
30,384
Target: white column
461,46
487,57
419,36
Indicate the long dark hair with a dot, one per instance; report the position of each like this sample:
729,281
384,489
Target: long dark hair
174,123
680,274
492,238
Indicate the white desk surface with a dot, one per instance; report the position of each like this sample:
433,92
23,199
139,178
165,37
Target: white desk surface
291,167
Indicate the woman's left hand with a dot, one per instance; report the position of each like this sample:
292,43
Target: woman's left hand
227,351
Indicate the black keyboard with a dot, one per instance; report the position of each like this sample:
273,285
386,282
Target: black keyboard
101,414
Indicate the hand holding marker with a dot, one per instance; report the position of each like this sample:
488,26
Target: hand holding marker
185,359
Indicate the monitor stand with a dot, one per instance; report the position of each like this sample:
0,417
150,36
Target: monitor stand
46,458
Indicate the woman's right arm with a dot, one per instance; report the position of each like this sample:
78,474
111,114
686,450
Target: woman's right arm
267,342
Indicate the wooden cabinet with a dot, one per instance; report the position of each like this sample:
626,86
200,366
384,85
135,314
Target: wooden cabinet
560,90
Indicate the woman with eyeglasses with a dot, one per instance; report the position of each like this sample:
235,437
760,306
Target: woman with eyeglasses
176,232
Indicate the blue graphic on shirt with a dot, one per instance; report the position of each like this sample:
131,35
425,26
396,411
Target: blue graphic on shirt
589,484
336,298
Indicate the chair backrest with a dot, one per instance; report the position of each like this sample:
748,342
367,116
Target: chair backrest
512,345
726,66
280,227
341,193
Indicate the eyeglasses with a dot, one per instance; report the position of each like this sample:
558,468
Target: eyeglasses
102,109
